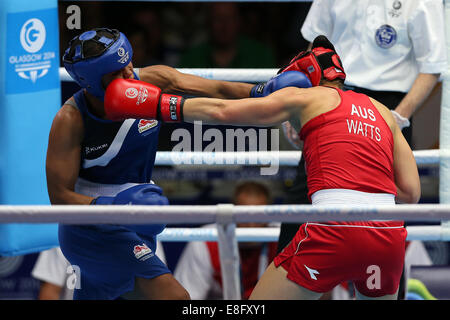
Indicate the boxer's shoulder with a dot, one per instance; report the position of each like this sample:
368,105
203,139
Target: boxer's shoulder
319,99
385,113
68,119
68,113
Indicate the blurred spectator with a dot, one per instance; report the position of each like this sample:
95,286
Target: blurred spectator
145,35
184,26
145,52
226,47
198,268
416,255
51,269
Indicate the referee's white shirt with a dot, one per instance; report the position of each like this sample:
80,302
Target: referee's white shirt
383,44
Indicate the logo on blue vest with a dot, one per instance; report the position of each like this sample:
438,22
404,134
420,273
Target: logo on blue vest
32,51
385,36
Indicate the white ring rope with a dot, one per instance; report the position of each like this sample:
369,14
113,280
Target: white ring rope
227,74
271,234
177,214
239,75
283,158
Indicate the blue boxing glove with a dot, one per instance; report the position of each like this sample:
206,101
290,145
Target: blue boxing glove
143,194
286,79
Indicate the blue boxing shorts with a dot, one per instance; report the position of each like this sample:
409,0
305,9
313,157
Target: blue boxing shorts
108,258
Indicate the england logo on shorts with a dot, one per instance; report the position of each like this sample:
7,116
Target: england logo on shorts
142,252
385,36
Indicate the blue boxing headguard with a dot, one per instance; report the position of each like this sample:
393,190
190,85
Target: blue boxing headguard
95,53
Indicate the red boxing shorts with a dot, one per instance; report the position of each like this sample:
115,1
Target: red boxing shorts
322,255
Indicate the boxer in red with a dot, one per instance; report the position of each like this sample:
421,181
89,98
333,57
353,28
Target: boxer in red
355,153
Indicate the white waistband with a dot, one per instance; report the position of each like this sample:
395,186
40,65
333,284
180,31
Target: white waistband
346,196
94,189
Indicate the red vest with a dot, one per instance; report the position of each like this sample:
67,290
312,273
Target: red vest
349,147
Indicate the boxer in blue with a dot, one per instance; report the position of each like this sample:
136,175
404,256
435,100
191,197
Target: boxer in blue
91,160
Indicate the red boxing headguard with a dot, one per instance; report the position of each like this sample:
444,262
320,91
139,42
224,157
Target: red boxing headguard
321,62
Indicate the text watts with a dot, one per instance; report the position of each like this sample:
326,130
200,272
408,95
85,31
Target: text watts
363,128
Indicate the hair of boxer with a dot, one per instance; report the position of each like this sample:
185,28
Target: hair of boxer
95,53
320,63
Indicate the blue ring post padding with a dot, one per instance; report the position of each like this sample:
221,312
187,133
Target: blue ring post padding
30,96
18,239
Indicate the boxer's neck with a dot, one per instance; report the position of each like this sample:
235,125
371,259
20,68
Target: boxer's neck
95,106
335,83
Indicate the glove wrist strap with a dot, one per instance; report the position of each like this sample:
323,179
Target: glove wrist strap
257,90
171,108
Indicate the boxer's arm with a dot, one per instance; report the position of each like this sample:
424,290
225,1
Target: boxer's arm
171,80
405,167
273,109
63,157
405,170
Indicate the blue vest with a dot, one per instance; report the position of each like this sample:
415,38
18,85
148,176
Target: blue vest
116,152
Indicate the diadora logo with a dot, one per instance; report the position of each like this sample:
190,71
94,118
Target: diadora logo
145,125
142,252
312,273
123,55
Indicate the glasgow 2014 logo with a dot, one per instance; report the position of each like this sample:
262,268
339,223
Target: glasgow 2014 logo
32,51
33,64
32,35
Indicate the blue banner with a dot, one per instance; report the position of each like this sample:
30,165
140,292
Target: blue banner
30,96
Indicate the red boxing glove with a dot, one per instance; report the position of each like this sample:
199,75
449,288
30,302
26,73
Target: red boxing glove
129,98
